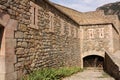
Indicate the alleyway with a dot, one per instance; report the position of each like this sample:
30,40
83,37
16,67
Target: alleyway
90,74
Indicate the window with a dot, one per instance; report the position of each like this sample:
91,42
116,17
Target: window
51,24
69,29
80,33
62,27
91,33
101,32
72,31
34,15
75,32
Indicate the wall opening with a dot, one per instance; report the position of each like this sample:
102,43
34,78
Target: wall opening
1,35
93,61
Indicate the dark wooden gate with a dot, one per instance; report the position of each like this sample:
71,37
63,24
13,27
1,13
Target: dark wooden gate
93,61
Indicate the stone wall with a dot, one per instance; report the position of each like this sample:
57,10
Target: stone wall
110,67
116,40
96,38
47,37
40,47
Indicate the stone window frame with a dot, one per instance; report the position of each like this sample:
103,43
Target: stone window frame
34,15
101,33
80,33
69,27
65,28
62,27
51,23
75,31
72,31
91,33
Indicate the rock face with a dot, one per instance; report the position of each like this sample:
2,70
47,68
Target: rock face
111,9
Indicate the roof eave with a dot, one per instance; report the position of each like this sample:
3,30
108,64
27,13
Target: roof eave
62,12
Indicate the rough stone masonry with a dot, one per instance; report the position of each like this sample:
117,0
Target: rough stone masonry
37,34
43,37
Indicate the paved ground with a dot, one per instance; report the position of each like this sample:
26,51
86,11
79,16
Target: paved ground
90,74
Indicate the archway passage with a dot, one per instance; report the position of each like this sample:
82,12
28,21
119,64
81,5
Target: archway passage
93,61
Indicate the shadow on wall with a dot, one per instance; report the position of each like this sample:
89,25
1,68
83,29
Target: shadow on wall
1,34
111,68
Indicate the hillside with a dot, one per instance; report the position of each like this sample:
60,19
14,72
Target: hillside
111,8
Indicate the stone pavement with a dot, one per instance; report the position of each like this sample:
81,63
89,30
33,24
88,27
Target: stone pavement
90,74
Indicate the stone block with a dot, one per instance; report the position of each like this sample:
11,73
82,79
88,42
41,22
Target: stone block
11,26
5,19
19,50
2,66
11,76
21,59
19,43
22,27
9,67
19,34
24,44
2,76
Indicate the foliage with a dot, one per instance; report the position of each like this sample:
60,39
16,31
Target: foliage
52,73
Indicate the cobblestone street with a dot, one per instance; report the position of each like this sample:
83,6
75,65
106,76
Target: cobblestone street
90,75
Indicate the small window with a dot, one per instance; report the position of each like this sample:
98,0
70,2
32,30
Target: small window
101,32
80,33
51,24
69,28
75,32
91,33
72,31
34,15
62,27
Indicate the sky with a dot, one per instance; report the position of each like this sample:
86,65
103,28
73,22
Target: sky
83,5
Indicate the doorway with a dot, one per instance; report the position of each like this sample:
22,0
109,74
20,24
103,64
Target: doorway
93,61
1,35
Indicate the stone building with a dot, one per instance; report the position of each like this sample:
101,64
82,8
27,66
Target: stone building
38,34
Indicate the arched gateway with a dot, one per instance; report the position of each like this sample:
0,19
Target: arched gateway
93,59
7,44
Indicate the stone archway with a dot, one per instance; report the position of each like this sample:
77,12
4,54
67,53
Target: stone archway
7,46
90,53
93,61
